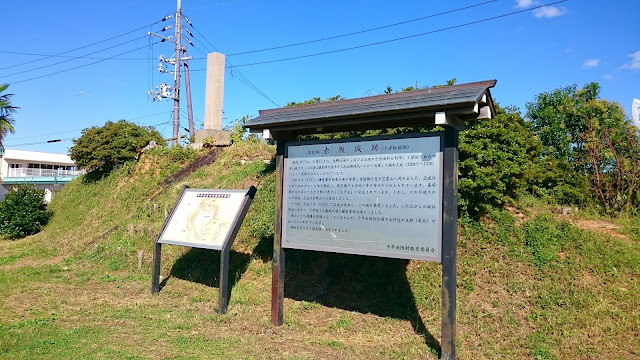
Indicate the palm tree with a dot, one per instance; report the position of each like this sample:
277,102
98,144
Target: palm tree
6,110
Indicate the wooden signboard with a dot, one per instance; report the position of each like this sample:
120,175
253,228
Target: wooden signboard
391,196
206,219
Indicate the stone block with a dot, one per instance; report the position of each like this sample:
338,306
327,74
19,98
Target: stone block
220,137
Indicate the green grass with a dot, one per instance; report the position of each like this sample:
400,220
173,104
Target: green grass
530,287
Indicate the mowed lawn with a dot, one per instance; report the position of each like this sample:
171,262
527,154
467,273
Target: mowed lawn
531,284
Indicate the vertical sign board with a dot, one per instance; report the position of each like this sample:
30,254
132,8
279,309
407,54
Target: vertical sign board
392,196
206,219
369,196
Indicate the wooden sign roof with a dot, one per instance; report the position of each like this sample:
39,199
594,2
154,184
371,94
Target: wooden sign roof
446,105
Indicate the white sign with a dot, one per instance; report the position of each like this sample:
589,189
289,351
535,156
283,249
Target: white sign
203,218
380,197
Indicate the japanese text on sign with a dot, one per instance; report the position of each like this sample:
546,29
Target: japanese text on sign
370,197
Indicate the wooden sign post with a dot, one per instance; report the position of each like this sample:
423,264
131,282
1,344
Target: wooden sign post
389,196
206,219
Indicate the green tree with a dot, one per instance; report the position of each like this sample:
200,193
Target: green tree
23,212
593,139
315,100
497,159
609,155
6,112
556,120
103,148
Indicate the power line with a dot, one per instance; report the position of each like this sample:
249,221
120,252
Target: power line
281,46
67,139
239,76
68,131
41,142
65,61
85,46
243,79
63,140
81,66
62,56
400,38
362,31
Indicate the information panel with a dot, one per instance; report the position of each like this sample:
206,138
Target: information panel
203,218
379,196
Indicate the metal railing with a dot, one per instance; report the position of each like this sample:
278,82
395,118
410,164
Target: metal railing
26,172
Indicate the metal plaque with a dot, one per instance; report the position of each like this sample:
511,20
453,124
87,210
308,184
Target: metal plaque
370,196
203,218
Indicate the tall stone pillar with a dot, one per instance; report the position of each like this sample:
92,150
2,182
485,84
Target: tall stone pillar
213,102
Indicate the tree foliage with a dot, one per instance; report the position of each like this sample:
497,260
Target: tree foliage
593,139
315,100
6,112
237,132
556,119
609,155
103,148
23,212
497,159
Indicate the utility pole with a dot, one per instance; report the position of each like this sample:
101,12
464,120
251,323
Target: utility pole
192,128
166,91
187,83
176,75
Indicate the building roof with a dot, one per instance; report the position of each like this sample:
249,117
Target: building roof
37,156
464,101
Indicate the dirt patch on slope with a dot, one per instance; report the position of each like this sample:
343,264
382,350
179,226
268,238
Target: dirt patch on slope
601,226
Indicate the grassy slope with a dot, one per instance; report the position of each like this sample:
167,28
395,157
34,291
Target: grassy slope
530,286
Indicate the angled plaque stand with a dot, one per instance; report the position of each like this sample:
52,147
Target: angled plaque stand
206,219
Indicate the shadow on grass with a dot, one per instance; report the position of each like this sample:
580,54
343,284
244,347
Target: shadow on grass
351,282
95,176
269,167
203,266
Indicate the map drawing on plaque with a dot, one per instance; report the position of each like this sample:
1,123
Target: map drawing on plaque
203,218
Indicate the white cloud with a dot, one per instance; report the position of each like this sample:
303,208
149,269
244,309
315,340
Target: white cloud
608,77
591,63
549,12
634,64
525,3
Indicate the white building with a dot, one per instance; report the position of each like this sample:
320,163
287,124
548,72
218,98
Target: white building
46,171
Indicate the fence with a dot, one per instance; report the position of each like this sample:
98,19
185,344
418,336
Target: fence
22,172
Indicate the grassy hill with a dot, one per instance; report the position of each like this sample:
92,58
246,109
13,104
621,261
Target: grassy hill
531,284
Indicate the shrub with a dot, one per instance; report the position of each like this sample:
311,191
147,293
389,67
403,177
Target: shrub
104,148
23,212
596,141
496,159
237,132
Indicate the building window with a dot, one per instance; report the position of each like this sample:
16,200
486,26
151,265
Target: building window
48,166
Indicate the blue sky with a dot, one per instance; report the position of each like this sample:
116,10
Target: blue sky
576,41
